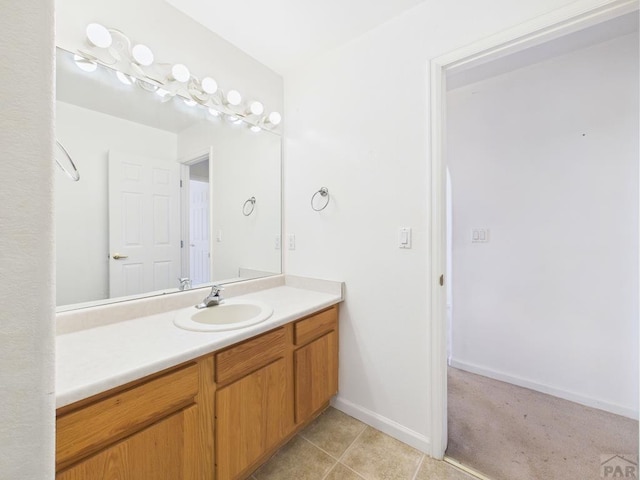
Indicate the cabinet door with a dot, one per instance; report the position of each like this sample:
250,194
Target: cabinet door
250,419
155,453
316,375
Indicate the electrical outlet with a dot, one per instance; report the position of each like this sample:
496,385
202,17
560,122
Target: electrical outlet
291,238
277,242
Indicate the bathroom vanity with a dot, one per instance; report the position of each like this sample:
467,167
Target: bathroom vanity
210,405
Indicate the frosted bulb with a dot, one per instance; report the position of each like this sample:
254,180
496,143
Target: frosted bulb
275,118
209,85
84,64
256,108
180,72
234,98
142,55
99,35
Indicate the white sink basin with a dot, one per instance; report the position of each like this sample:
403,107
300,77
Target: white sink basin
229,315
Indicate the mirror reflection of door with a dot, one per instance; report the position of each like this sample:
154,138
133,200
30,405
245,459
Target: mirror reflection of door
199,245
144,210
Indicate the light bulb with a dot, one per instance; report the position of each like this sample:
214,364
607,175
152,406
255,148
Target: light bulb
209,85
99,35
233,118
234,98
255,129
189,103
256,108
214,112
275,118
180,72
84,64
126,79
142,55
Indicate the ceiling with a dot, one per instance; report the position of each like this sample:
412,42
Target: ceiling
283,33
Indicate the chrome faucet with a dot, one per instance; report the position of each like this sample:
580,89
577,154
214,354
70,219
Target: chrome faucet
214,298
185,284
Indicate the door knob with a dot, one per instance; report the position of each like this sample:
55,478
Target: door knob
117,256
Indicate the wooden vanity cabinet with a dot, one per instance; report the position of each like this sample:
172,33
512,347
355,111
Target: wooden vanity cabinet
315,362
245,400
251,407
160,428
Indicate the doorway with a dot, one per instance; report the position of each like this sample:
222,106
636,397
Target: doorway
559,24
196,223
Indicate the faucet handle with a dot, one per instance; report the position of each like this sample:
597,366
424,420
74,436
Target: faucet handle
216,289
185,283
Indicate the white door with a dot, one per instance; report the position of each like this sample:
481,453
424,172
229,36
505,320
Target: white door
199,247
144,224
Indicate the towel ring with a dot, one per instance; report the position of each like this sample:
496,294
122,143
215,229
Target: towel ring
323,192
252,205
73,175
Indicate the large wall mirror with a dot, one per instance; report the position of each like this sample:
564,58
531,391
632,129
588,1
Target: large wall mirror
167,190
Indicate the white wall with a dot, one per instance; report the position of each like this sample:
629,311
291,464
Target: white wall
546,157
82,208
173,37
26,241
244,164
357,123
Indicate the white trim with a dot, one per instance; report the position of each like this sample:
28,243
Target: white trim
571,18
383,424
548,389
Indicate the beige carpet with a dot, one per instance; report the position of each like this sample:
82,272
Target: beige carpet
513,433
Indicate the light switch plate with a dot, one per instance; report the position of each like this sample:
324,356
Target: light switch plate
404,237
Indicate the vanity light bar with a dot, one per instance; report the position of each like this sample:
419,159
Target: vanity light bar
114,49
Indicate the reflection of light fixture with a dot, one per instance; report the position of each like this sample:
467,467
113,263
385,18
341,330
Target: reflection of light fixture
180,73
209,85
234,98
233,118
85,64
256,108
99,35
124,78
142,55
189,103
161,92
214,112
255,129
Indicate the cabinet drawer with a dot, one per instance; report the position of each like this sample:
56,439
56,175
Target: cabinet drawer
240,360
94,426
315,326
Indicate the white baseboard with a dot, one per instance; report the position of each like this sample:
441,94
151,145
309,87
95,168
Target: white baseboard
548,389
385,425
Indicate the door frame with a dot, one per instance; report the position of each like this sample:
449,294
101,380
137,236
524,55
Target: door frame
566,20
184,204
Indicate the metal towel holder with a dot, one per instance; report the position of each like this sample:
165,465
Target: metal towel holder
323,192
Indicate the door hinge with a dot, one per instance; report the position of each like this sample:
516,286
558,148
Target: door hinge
180,183
441,280
181,243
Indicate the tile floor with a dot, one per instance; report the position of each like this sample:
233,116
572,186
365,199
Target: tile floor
338,447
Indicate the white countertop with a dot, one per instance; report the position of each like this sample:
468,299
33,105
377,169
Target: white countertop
95,359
